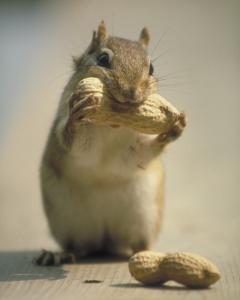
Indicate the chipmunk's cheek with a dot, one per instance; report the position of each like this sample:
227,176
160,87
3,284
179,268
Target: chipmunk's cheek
152,85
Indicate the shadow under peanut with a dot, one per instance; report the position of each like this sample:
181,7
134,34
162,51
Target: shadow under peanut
165,287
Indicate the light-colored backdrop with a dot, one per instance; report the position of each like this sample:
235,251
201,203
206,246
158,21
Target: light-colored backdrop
198,44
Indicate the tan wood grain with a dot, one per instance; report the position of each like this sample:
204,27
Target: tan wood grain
20,279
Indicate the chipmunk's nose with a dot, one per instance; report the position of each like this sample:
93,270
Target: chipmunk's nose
134,96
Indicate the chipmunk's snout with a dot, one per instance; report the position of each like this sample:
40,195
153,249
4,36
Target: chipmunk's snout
129,95
133,95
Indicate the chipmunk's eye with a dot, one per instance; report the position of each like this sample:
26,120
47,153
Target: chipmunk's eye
151,69
103,60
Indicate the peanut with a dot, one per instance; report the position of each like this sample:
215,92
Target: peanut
188,269
154,116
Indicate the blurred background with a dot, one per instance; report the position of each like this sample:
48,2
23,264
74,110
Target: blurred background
195,46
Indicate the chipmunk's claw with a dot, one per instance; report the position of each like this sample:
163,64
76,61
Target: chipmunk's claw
49,258
175,132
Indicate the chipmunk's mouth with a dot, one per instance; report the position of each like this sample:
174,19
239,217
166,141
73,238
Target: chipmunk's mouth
124,100
121,106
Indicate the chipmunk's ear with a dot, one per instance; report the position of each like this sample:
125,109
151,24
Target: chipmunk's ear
144,37
98,37
101,32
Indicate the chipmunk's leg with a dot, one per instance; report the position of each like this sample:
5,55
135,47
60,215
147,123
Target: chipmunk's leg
49,258
124,251
148,149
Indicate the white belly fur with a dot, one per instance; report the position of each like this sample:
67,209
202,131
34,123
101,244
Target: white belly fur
90,206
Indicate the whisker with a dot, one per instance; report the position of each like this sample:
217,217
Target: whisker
164,82
162,77
175,74
157,44
168,84
160,55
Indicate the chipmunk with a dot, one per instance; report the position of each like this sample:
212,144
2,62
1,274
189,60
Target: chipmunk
102,186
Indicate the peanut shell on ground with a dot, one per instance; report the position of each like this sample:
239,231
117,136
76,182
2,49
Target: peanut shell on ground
189,269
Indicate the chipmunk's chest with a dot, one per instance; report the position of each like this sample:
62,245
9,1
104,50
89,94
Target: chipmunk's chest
100,149
103,154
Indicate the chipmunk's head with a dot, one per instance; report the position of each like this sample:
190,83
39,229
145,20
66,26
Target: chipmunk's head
126,65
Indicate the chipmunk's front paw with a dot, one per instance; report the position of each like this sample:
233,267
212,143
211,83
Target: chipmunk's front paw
79,106
175,132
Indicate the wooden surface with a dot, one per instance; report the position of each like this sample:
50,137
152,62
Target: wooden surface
19,279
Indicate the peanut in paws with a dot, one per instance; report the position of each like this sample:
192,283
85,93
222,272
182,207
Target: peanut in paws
154,116
188,269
